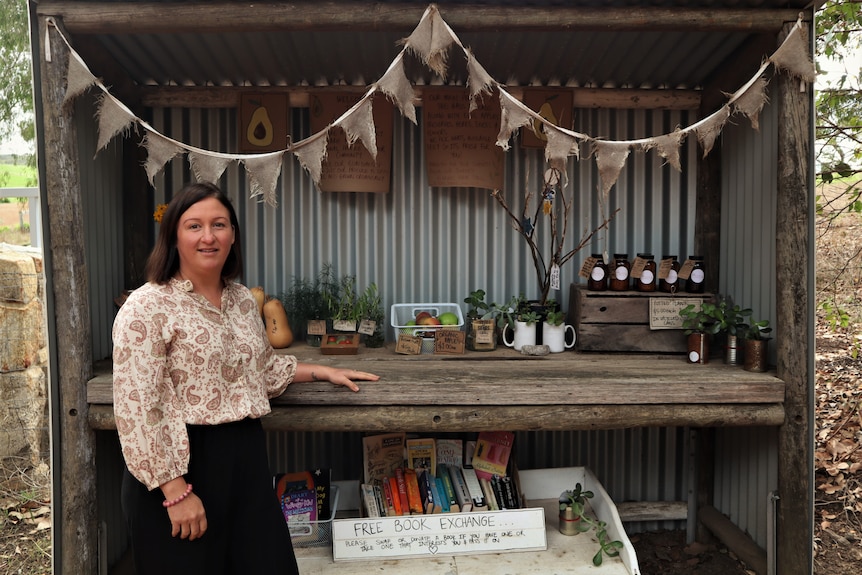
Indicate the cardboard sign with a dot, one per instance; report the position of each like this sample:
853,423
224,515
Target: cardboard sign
664,311
461,147
553,104
351,168
263,122
449,341
367,326
408,344
316,327
438,534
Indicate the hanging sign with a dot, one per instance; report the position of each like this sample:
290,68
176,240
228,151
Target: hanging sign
263,122
460,147
352,168
555,105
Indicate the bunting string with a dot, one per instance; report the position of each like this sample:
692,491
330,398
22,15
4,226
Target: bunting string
431,42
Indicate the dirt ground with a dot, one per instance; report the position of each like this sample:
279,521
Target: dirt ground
9,214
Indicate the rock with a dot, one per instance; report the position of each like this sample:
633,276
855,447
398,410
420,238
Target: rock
535,350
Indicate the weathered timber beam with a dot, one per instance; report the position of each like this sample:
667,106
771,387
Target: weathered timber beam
515,418
734,538
212,17
228,97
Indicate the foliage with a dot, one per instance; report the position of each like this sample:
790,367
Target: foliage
576,499
555,317
369,306
714,318
699,319
16,79
758,330
478,307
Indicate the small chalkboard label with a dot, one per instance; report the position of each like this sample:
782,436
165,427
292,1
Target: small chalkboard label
375,538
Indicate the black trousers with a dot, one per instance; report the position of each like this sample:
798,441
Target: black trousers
246,531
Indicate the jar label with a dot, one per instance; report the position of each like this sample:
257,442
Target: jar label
697,275
693,356
598,274
621,273
671,276
647,277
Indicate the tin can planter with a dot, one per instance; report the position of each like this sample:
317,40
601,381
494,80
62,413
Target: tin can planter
698,347
756,356
569,522
731,356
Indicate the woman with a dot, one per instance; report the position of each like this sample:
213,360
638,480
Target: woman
193,374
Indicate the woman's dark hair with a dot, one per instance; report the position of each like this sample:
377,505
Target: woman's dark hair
164,260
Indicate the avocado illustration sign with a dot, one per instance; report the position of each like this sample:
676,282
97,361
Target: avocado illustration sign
553,105
263,122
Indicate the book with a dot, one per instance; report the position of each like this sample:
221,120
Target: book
389,497
413,497
396,495
489,494
379,499
440,494
422,453
450,451
510,492
476,493
469,451
401,481
492,453
448,492
465,503
381,454
427,492
369,501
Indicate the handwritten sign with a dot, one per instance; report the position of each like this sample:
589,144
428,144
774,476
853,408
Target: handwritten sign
316,327
449,341
664,311
439,534
461,147
351,168
408,344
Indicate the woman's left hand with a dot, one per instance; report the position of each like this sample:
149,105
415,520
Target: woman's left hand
337,375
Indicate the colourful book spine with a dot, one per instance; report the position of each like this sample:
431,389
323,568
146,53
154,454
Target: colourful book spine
413,497
440,490
402,491
389,497
396,495
461,493
489,494
448,493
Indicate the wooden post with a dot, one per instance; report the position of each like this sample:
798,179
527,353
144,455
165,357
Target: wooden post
75,503
794,257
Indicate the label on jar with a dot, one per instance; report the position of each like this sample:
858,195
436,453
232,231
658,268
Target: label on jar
664,268
638,267
686,269
672,276
589,267
598,274
697,275
621,273
647,277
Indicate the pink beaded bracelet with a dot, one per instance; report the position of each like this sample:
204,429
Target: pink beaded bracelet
173,502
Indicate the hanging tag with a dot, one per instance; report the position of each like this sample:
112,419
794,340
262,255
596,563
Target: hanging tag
555,277
47,44
546,207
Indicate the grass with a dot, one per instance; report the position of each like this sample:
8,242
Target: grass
14,176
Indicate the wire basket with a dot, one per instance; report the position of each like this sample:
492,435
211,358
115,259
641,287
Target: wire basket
402,313
314,533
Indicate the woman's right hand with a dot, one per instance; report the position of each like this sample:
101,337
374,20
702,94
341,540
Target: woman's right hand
188,518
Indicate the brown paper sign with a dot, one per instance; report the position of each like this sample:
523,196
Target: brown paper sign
367,326
408,344
553,104
638,268
664,268
460,147
686,269
316,327
485,331
588,266
352,168
449,341
664,311
263,122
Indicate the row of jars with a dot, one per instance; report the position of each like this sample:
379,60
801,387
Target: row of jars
644,274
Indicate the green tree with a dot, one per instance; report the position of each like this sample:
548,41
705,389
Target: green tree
16,84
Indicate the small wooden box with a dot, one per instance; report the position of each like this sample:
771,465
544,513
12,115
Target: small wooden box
620,321
339,344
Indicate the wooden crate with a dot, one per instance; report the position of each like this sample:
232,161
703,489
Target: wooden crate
620,321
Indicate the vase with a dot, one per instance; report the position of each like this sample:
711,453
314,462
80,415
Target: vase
523,334
755,355
698,348
554,336
569,522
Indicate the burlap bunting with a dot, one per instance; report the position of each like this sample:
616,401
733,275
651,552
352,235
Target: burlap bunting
709,130
667,147
206,167
113,118
160,151
263,171
610,159
430,41
395,84
311,153
78,78
512,117
559,147
793,56
359,125
479,82
751,102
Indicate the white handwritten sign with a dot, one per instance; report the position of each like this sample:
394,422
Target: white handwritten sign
664,312
439,534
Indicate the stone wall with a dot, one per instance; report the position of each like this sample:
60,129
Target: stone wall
23,355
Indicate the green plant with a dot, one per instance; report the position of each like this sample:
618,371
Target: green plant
576,500
700,319
478,307
729,316
369,306
758,330
555,317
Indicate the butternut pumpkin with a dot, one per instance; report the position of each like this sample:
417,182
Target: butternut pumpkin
259,297
277,327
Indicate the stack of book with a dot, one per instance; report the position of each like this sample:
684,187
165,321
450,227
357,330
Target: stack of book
425,475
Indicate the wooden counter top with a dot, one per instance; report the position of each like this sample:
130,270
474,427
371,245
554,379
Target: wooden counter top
506,390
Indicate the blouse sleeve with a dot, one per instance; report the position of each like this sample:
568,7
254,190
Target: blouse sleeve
148,414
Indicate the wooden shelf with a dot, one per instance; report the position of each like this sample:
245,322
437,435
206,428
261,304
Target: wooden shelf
506,390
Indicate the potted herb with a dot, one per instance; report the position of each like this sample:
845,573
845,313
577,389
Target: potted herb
554,331
574,520
481,322
302,302
756,346
700,324
730,318
369,309
521,320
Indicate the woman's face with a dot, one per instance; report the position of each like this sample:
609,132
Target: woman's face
204,238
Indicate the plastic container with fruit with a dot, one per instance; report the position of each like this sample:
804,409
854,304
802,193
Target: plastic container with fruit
422,319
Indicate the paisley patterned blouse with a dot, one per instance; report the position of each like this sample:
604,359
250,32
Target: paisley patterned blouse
178,360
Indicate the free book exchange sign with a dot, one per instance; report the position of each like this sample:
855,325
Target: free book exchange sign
439,534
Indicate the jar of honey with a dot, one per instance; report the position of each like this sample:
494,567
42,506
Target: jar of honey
695,282
647,280
598,280
620,275
670,283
